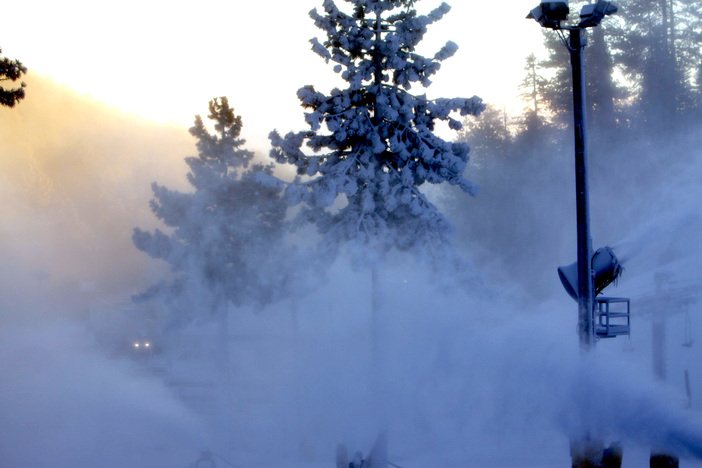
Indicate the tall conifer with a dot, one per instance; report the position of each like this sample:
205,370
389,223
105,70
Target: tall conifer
374,142
223,234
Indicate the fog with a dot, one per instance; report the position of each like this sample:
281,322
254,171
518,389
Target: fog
65,405
486,375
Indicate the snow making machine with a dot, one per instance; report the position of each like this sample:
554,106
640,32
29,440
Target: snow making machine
611,315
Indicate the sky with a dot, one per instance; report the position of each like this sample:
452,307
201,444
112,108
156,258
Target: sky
165,60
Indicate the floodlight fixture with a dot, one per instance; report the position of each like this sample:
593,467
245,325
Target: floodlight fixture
550,14
591,15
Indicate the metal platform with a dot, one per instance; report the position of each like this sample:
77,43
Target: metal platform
612,316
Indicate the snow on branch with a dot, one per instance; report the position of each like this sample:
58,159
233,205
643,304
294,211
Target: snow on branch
446,51
438,13
320,50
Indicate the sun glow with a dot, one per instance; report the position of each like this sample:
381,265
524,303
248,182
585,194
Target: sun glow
164,61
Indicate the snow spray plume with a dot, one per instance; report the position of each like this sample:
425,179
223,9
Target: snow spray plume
75,178
653,239
614,401
61,404
76,175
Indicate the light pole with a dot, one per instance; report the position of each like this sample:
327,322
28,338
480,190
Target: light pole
582,196
552,15
585,452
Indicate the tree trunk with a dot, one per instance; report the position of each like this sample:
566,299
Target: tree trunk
376,304
378,72
534,91
378,380
221,313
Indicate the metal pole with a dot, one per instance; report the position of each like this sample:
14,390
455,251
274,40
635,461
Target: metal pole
585,280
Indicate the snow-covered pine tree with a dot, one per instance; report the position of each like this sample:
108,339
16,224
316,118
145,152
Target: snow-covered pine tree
378,145
224,233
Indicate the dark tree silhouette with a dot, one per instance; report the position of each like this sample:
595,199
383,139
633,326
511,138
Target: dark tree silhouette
602,91
533,86
11,70
656,44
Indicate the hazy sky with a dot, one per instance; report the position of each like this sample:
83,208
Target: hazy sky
164,60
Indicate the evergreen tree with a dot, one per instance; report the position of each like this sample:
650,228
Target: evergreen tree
558,95
697,92
657,46
503,229
11,70
489,136
602,91
533,123
373,142
223,234
533,87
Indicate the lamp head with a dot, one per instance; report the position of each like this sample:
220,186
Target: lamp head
591,15
550,14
